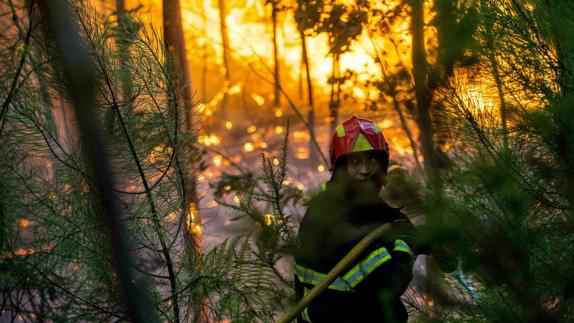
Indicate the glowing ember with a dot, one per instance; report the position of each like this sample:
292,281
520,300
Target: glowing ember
268,219
385,124
300,136
302,153
263,145
279,130
25,252
278,113
192,225
300,186
234,89
217,161
196,229
171,217
258,99
321,168
24,223
248,147
275,161
251,129
228,125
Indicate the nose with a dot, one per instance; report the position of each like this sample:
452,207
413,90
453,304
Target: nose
364,170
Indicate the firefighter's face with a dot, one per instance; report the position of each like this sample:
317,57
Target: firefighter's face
363,165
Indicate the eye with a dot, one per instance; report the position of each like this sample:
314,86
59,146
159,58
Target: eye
355,161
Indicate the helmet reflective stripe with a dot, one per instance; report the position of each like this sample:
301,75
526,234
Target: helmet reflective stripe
352,278
362,144
340,131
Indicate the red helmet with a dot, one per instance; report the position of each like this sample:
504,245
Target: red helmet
354,135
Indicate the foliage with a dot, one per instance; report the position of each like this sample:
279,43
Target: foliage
507,209
58,263
257,268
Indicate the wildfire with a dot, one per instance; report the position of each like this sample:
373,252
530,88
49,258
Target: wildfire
268,219
192,225
217,161
279,130
24,223
248,147
251,129
209,140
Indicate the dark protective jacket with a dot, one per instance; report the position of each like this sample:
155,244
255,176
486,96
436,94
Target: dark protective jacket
369,290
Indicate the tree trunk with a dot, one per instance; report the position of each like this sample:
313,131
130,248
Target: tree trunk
277,94
313,158
423,95
490,46
405,125
203,55
123,44
334,99
175,44
225,44
81,88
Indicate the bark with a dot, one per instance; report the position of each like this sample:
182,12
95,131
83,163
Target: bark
277,93
407,130
225,44
123,48
204,55
334,98
311,115
123,44
423,95
175,44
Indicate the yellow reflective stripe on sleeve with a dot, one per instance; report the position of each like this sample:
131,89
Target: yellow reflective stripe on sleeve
324,187
305,313
340,131
309,276
375,259
400,245
352,278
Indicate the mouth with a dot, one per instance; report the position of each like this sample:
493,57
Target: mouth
364,176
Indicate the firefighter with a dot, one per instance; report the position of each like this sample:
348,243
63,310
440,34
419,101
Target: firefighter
347,209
